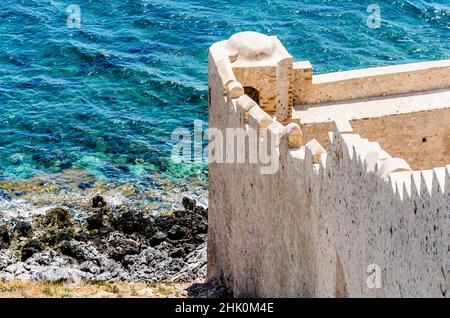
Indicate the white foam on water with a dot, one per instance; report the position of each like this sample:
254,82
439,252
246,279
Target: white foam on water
19,208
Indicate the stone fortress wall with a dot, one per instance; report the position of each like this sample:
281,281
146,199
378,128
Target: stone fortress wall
341,217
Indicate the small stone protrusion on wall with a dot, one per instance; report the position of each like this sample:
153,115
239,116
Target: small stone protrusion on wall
316,150
258,118
226,73
244,104
393,165
276,130
276,133
235,90
295,135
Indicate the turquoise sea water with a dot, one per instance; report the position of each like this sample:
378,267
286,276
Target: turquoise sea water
107,96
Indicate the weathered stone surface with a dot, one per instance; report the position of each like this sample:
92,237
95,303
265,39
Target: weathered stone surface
252,45
315,226
119,245
119,249
6,259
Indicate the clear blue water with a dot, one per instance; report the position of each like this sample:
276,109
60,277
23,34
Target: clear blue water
107,96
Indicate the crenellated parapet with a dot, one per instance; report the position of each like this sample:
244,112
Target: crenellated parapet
346,194
263,68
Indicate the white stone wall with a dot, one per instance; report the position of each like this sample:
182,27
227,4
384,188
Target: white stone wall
313,228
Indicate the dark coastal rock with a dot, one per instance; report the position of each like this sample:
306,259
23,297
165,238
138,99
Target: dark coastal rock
44,266
110,244
81,251
90,267
194,266
130,223
102,217
30,248
185,226
201,211
150,265
23,228
98,202
93,262
178,252
50,257
95,222
189,204
119,245
158,238
200,238
56,218
55,237
165,222
213,288
4,237
111,270
188,248
166,263
82,236
177,232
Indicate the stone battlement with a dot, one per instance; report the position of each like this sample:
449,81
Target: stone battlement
363,177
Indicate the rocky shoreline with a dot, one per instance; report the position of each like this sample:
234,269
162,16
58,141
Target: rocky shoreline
109,244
